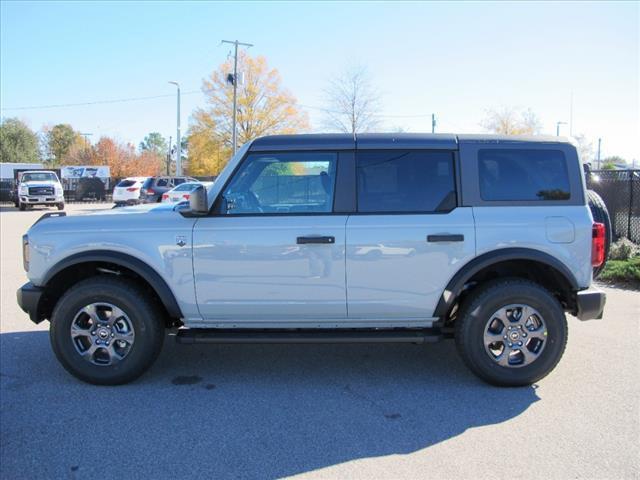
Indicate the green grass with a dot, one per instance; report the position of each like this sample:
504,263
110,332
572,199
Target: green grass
622,271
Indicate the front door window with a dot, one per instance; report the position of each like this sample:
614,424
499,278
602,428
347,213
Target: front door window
291,183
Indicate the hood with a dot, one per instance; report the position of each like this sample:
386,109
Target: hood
39,183
135,218
138,209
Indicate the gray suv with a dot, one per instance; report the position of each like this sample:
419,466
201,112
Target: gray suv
334,238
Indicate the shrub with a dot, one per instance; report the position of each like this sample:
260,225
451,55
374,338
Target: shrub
623,249
627,271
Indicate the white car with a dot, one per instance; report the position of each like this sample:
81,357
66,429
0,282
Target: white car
127,191
183,191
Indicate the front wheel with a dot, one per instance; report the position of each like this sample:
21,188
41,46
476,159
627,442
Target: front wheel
60,206
511,332
106,331
22,206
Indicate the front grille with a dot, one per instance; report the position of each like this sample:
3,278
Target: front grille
40,190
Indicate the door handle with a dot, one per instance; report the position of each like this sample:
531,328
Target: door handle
446,238
315,239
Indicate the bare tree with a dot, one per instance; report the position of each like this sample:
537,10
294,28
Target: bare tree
352,102
511,121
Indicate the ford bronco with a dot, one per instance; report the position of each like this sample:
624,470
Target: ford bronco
333,238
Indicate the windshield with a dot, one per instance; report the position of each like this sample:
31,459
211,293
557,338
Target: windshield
39,177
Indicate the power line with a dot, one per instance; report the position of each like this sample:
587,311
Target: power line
191,92
97,102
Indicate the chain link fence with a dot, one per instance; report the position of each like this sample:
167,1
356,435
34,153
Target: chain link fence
620,190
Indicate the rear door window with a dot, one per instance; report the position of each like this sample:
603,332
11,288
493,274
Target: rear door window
405,181
523,175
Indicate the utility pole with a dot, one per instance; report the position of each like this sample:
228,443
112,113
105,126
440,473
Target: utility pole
433,123
599,145
86,140
235,43
169,158
178,145
558,127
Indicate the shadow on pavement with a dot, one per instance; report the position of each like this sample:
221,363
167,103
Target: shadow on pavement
241,411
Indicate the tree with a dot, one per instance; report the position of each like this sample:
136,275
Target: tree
154,142
123,161
207,156
264,106
511,121
352,102
59,141
585,148
18,143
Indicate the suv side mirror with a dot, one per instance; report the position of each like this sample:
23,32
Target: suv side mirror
198,203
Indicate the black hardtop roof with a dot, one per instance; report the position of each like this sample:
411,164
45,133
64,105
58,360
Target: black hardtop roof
345,141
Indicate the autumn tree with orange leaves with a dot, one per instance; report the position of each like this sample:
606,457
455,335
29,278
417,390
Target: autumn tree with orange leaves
122,160
265,107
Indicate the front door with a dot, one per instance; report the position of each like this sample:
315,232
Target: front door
274,250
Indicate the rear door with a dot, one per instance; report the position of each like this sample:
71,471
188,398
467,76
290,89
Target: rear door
408,236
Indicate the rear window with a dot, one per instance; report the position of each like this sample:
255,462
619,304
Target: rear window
126,183
147,183
523,175
185,187
405,181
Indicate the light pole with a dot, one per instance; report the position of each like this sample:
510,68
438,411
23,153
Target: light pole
234,134
178,145
558,127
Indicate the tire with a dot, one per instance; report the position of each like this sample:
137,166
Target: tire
144,318
600,214
60,206
476,314
22,206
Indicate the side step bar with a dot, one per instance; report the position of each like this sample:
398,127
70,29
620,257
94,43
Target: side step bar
202,335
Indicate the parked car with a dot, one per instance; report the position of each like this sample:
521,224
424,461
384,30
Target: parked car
334,238
127,191
39,187
182,192
154,187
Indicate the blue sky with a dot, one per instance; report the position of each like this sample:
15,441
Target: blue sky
453,59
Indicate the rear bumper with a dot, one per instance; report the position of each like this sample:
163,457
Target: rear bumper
29,298
590,304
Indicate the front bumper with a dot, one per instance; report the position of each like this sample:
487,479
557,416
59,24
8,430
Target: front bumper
29,299
41,200
590,304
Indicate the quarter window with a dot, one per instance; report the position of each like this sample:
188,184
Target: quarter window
282,183
523,175
405,181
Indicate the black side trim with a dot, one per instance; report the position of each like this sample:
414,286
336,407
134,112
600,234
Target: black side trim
138,266
456,284
201,335
29,298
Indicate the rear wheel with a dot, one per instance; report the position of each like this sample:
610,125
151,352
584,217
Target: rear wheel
511,332
600,214
106,331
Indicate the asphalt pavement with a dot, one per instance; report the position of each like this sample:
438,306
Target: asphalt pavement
316,411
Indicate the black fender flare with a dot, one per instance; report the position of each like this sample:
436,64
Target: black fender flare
151,276
457,283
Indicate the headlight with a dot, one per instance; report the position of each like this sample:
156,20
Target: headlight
58,190
25,252
24,189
